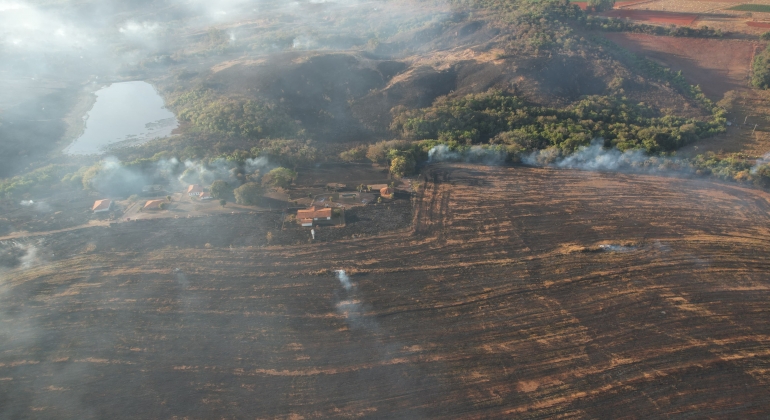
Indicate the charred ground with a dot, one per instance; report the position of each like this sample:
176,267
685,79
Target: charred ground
499,302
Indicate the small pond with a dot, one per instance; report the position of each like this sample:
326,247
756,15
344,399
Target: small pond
125,114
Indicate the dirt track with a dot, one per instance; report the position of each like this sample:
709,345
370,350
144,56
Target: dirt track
501,305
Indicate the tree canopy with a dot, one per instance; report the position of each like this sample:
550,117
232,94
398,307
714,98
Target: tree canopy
278,178
248,193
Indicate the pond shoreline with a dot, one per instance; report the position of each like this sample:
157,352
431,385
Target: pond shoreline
117,114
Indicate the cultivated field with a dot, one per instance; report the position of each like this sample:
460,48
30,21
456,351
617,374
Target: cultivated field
653,16
520,292
717,66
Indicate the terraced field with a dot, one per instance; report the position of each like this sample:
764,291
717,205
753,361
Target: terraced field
519,292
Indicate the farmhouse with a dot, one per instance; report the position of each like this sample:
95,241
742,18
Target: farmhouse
154,205
194,190
377,187
314,214
101,206
205,196
386,192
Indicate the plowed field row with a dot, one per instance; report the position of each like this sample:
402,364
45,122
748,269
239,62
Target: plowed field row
500,304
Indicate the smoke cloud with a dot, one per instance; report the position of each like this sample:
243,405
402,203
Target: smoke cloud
115,178
351,308
596,158
763,161
344,280
475,154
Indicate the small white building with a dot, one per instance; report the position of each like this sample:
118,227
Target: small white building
194,190
101,206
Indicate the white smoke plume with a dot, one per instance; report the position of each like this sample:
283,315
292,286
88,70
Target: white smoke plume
596,158
344,280
764,160
475,154
198,172
351,308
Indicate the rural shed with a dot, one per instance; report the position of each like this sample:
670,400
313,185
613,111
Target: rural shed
101,206
386,192
314,214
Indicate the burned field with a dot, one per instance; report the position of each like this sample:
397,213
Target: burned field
518,292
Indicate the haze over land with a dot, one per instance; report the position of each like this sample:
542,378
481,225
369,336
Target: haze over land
518,209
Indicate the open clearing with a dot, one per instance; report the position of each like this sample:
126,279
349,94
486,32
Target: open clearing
500,303
716,65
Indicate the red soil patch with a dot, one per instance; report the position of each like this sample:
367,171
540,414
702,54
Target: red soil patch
716,65
758,24
653,16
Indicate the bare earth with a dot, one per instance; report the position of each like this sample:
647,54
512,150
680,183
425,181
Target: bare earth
717,66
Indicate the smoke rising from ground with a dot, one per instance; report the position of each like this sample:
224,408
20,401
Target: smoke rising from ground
344,280
352,308
475,154
764,160
597,158
115,178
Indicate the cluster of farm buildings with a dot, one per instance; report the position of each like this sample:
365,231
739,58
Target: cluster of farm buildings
305,217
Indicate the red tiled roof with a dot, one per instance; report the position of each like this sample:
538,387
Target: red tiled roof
194,188
102,204
314,212
153,204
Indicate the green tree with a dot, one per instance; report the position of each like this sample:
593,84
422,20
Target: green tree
354,154
220,189
222,202
290,153
601,5
765,36
248,193
278,178
402,165
761,77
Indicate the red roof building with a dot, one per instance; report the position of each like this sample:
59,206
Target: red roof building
194,190
102,206
313,214
386,192
153,204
